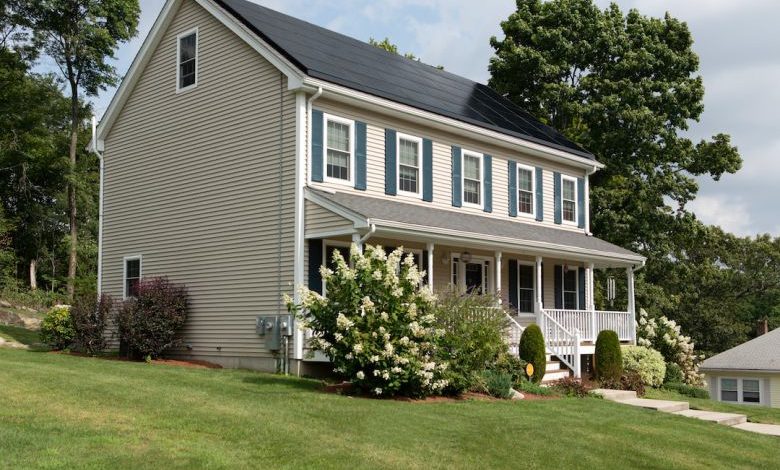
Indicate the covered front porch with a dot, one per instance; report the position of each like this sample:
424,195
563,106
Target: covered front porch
534,279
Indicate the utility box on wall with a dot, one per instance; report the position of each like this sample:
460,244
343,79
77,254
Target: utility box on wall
272,328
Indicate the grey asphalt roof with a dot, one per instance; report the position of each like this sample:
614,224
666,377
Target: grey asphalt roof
396,211
340,59
761,353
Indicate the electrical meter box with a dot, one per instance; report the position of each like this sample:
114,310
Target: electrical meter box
272,328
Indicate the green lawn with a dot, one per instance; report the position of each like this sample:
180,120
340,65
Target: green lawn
756,414
19,334
59,411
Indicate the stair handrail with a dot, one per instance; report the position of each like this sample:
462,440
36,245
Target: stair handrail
562,343
515,331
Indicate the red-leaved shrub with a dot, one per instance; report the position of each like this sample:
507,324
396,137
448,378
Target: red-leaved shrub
149,323
89,315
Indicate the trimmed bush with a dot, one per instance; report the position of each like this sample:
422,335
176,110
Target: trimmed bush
688,390
674,374
497,384
627,381
608,363
89,315
57,327
646,362
532,350
150,322
473,339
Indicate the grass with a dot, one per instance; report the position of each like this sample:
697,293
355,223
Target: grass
756,414
19,334
62,411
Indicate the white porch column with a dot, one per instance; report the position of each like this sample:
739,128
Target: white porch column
591,302
430,266
497,286
356,241
539,294
631,302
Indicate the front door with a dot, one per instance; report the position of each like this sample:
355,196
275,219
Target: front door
475,278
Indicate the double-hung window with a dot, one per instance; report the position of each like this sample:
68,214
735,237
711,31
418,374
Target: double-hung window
339,147
526,183
569,199
740,390
132,276
525,288
472,179
187,60
409,150
570,293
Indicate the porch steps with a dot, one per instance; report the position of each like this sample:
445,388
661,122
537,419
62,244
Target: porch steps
554,371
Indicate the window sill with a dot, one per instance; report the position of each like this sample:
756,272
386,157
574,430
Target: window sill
186,89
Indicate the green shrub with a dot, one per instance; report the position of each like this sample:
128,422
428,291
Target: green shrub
497,384
89,315
57,327
628,381
512,365
571,387
674,374
608,363
688,390
150,322
472,340
533,350
646,362
526,386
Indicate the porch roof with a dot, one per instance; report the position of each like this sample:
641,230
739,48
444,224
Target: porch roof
436,223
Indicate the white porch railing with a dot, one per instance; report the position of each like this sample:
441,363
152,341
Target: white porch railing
591,322
513,334
561,342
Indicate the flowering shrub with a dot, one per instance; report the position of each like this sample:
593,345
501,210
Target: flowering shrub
646,362
664,336
376,324
57,327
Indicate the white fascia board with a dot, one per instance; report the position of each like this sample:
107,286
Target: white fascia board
479,240
161,24
385,106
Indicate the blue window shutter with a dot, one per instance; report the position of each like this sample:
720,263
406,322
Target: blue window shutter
427,173
390,156
513,299
557,196
457,193
360,155
317,162
558,286
581,202
315,261
487,163
539,194
512,167
581,280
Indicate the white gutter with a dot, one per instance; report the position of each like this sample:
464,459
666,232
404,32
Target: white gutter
94,147
367,235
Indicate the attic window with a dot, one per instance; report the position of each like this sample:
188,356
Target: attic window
187,57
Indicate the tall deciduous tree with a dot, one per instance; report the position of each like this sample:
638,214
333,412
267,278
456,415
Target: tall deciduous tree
81,36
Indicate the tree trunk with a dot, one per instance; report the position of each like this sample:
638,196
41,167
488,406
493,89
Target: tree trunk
74,135
33,274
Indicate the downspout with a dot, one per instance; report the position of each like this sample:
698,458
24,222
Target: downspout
365,237
94,149
303,108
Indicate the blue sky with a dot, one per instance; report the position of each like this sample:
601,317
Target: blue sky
740,62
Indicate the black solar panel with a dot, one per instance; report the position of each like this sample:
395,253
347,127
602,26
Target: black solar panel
342,60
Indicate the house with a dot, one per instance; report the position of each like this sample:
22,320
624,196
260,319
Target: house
244,146
747,374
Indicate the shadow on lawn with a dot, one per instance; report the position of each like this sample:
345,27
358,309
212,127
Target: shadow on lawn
285,382
20,335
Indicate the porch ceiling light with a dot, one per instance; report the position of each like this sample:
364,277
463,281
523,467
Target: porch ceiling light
465,257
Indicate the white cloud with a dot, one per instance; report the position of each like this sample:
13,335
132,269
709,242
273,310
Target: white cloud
731,214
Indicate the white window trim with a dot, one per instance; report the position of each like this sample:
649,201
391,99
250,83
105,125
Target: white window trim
418,140
463,155
124,271
532,214
533,278
351,123
574,222
576,270
178,59
740,390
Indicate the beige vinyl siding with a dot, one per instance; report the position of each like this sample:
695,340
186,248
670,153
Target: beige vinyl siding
321,220
774,390
201,185
376,124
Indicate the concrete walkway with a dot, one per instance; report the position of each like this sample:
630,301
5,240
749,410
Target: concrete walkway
682,408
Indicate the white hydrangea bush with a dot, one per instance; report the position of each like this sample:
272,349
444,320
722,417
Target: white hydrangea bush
376,324
665,336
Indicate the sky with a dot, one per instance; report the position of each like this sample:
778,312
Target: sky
737,43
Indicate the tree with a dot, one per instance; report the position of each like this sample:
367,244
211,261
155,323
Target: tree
80,35
624,86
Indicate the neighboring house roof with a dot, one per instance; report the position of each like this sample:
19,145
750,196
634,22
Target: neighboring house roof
762,353
339,59
386,212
